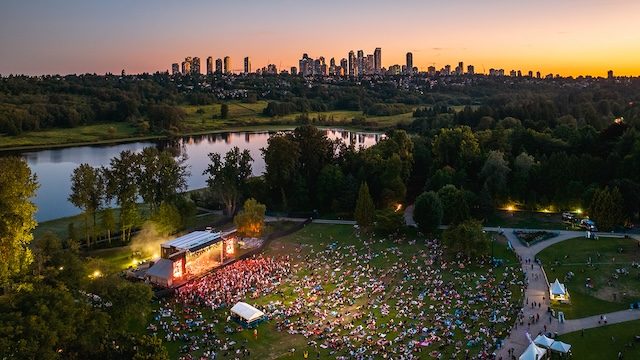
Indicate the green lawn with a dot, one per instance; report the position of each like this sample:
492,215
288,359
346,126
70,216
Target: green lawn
597,344
93,134
315,237
526,220
573,254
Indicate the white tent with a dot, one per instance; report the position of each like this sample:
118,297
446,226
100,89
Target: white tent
542,340
533,353
560,346
558,292
247,313
557,288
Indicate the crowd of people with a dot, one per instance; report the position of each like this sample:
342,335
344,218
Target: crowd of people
413,306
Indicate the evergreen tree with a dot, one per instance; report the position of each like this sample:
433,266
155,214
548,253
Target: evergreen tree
365,213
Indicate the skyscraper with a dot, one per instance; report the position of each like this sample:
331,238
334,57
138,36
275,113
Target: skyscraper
377,61
219,66
227,65
344,65
361,66
352,63
195,66
247,65
409,63
209,65
175,68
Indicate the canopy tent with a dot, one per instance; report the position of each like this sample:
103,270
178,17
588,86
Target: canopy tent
542,340
246,313
161,273
533,352
560,346
558,291
557,288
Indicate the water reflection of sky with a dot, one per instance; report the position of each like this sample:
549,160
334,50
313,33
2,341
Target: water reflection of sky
54,167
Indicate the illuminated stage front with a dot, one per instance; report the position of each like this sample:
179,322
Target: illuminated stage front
192,255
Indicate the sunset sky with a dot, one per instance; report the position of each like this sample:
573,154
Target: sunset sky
566,37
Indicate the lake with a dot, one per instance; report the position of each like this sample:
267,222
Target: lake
54,167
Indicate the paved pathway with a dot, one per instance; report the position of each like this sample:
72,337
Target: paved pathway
537,291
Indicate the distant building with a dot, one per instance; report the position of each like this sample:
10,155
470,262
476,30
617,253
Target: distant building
209,65
186,65
512,73
447,70
409,63
361,65
247,65
219,66
471,70
344,65
352,63
370,64
377,61
195,66
227,65
431,70
294,71
537,74
175,69
460,68
610,74
530,73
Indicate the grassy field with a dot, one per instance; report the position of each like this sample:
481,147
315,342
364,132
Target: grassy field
572,256
90,134
314,239
526,220
597,343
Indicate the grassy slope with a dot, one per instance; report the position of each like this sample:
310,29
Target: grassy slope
597,343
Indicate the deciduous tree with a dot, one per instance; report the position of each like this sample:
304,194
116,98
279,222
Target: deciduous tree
227,176
17,187
427,212
250,221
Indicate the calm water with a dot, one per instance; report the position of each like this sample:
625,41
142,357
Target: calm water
54,167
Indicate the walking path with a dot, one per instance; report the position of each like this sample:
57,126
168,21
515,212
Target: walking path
537,292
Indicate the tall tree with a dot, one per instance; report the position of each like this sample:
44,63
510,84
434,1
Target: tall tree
227,176
17,187
281,159
123,185
365,213
161,176
88,194
427,212
607,208
495,172
250,221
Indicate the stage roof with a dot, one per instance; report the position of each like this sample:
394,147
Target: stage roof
192,240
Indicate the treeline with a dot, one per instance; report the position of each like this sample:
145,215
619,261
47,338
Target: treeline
39,103
155,176
36,103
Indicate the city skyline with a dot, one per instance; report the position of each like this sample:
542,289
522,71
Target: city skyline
569,38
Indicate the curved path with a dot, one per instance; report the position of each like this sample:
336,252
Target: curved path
537,291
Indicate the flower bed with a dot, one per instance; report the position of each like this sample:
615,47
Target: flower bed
529,238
